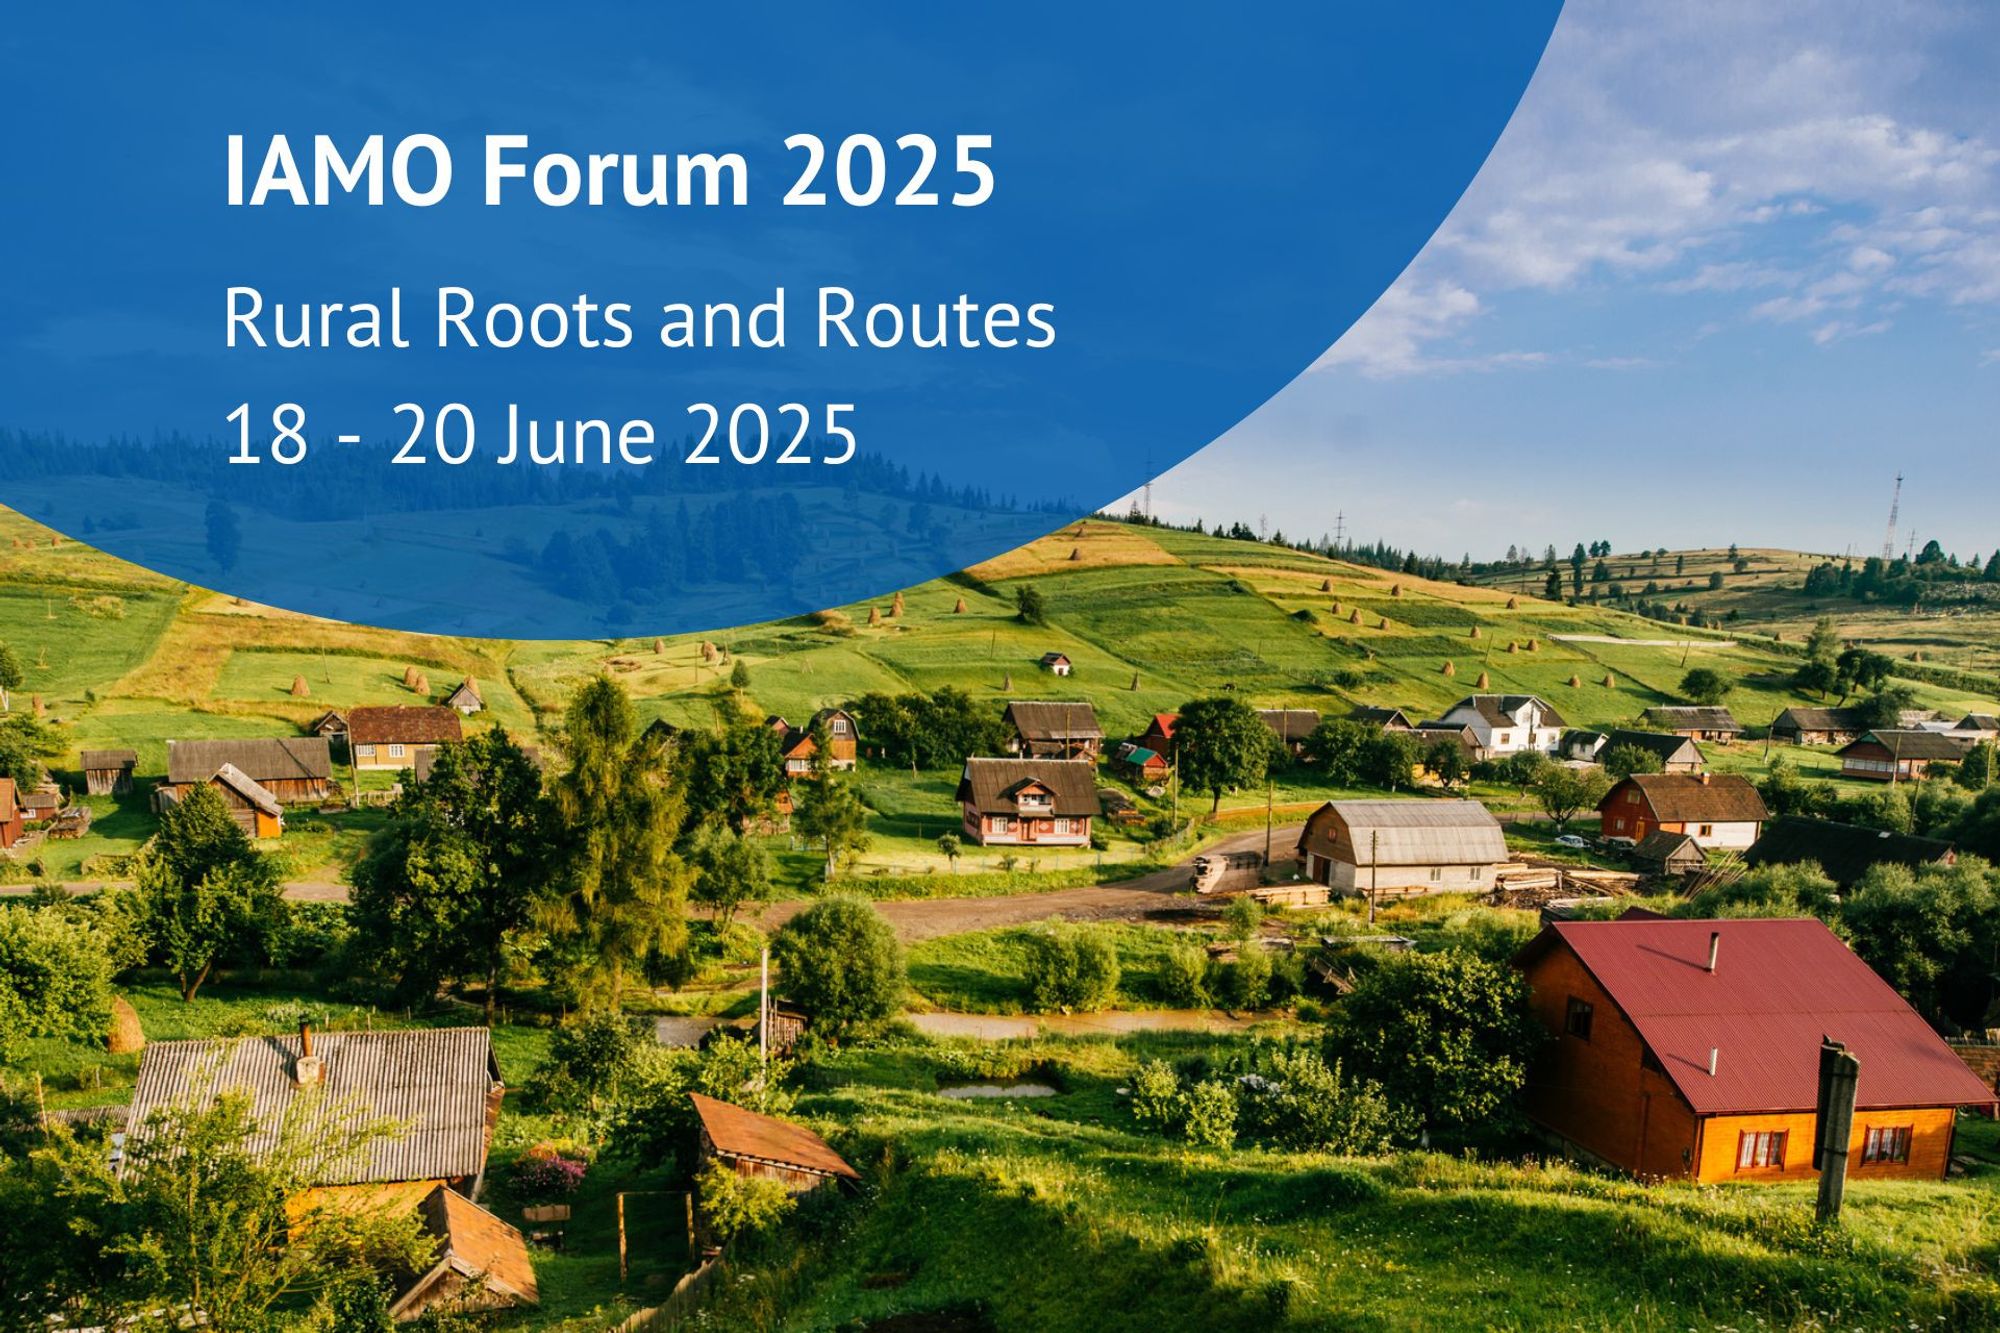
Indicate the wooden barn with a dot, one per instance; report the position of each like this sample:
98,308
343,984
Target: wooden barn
478,1262
1028,802
1401,847
1891,755
1060,729
1696,724
1666,853
760,1145
1690,1049
442,1083
1717,810
12,825
1147,768
392,737
1845,852
1056,664
108,772
465,700
1382,719
291,768
1159,734
1675,751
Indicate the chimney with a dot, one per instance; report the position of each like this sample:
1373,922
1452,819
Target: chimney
307,1070
1713,1053
1705,779
1714,947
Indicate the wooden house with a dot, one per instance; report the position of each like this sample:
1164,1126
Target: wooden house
1400,847
1690,1049
1056,664
1583,746
1893,755
1667,853
798,748
1290,725
328,724
465,700
1818,726
250,804
477,1262
1716,810
1845,852
1436,729
1696,724
1028,802
391,737
41,804
442,1083
1382,719
108,772
291,768
12,825
1978,727
1060,729
760,1145
1508,723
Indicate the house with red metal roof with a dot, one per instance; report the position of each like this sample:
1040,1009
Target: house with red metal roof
1691,1049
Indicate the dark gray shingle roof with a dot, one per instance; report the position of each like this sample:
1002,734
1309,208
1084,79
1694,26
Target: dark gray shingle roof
991,785
271,759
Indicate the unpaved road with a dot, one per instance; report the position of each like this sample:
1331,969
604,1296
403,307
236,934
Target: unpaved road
1127,900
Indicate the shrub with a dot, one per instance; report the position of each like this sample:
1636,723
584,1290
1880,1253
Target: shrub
544,1173
55,978
1301,1102
1243,915
734,1205
841,963
1183,976
590,1057
1246,983
1156,1094
1071,968
1209,1115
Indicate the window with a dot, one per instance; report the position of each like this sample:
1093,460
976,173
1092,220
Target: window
1437,874
395,752
1001,823
1577,1021
1886,1143
1632,796
1760,1148
1619,823
1503,738
1062,826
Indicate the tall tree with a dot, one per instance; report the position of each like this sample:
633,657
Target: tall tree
11,677
622,889
830,814
1220,744
1563,792
736,773
468,854
204,890
730,871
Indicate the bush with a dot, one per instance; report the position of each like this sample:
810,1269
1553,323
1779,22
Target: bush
1242,917
591,1056
1209,1115
1246,983
1183,976
1156,1095
55,978
841,963
1071,968
733,1205
1301,1102
543,1174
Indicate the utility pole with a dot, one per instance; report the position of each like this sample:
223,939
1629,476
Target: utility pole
764,1012
1270,810
1374,850
1833,1125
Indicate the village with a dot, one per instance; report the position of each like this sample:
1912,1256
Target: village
677,986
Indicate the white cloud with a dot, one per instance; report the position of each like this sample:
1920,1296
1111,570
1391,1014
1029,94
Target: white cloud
1714,147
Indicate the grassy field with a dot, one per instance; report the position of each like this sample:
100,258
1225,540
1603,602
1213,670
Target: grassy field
1150,617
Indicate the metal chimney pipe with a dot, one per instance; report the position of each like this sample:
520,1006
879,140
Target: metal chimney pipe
1714,947
1713,1053
305,1040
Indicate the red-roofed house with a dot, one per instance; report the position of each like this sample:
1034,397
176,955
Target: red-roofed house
1691,1049
1159,734
11,822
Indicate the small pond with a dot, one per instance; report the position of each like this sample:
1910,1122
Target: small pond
998,1091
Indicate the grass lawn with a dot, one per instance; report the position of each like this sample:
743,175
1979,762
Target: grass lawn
986,971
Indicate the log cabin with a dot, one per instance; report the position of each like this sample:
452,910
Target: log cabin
1690,1049
1028,802
760,1145
1717,810
108,772
1059,729
1817,726
392,737
1402,847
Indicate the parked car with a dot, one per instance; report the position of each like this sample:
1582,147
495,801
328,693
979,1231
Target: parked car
1573,842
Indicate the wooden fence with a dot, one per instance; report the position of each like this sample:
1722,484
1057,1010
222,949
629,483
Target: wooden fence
679,1304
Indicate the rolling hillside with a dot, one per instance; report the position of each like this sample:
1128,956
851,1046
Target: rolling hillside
1151,617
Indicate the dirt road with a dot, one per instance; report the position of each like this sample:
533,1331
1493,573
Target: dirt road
1127,900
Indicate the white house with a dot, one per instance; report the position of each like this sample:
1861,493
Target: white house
1509,723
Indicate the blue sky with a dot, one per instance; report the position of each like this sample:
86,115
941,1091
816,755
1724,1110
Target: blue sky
1733,265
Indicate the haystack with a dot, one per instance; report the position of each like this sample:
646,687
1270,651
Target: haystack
126,1036
300,690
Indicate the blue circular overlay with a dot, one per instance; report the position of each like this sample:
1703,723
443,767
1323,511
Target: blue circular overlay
685,316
